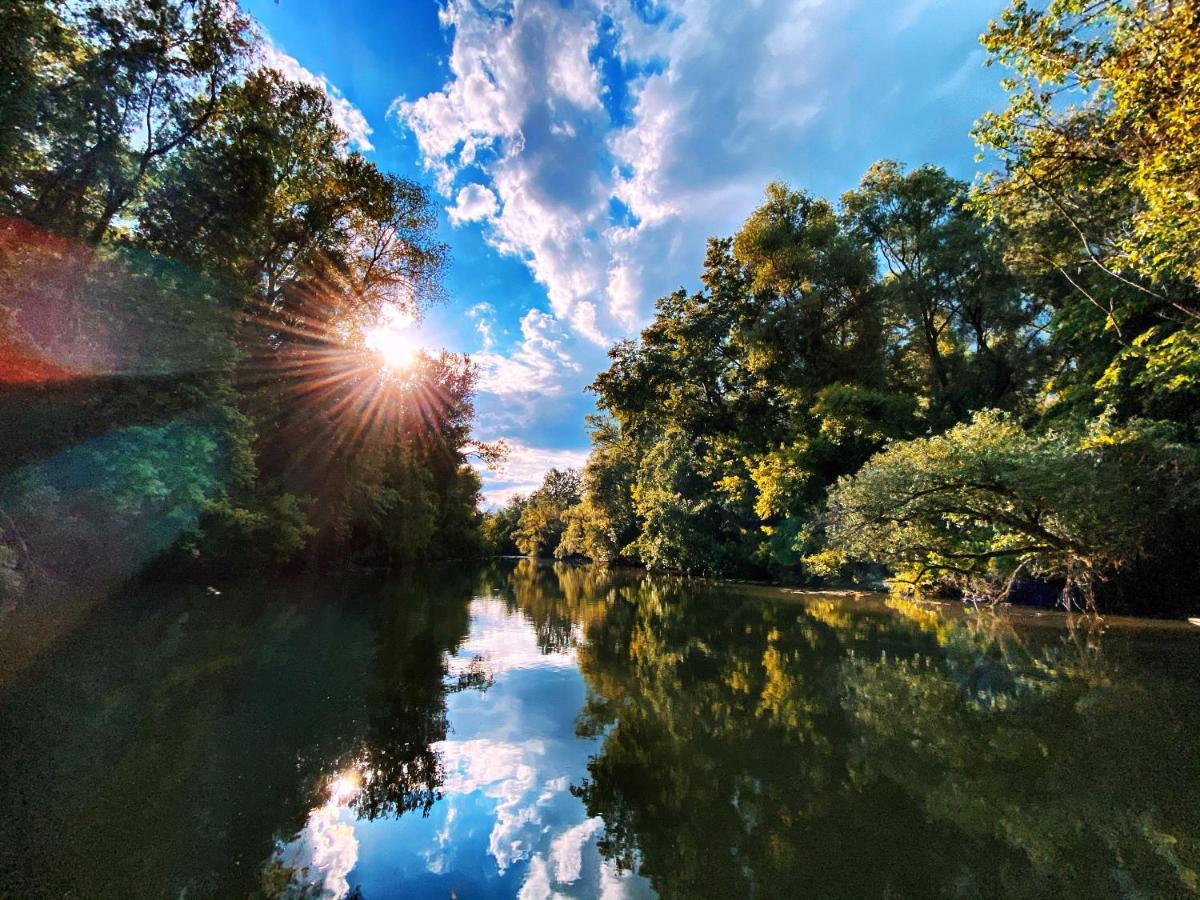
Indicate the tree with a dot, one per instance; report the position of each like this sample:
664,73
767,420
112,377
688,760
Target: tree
499,526
541,523
1100,131
134,82
987,502
1099,188
962,331
601,526
194,237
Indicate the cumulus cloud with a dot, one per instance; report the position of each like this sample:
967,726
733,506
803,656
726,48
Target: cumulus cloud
523,105
607,185
473,203
536,365
524,469
602,143
348,117
526,106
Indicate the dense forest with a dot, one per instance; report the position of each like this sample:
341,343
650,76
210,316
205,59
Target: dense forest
190,255
989,389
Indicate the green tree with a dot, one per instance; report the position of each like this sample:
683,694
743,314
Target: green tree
196,225
1099,188
499,526
134,82
541,524
962,332
601,526
988,501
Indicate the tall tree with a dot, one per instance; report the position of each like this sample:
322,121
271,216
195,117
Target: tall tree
137,80
963,331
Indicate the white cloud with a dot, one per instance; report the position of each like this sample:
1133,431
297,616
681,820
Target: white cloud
523,105
566,850
537,364
537,881
505,644
616,884
348,117
524,469
325,851
710,121
607,186
503,772
473,203
484,315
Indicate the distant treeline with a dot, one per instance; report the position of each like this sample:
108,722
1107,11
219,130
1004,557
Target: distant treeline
980,389
190,252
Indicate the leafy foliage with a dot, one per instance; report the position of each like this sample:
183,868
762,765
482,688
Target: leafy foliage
1001,382
987,502
191,244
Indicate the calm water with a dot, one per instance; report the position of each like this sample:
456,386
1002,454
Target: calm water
535,731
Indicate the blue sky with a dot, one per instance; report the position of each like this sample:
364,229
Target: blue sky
583,150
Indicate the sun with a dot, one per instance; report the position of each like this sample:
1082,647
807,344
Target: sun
392,338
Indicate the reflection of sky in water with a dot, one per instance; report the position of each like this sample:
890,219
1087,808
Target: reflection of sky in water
508,825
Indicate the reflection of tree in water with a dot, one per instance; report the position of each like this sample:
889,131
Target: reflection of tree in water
176,735
407,703
559,600
1055,748
775,749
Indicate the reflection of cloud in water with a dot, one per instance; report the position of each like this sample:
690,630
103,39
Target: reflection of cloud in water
566,850
534,816
613,883
436,859
505,642
506,774
618,885
508,768
537,882
323,854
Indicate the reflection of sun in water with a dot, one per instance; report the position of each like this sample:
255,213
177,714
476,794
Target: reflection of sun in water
344,787
392,338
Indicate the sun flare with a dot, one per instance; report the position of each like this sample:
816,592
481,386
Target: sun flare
393,340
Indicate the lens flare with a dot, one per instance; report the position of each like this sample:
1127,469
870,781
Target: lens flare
392,339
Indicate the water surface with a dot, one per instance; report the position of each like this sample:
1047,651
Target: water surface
532,731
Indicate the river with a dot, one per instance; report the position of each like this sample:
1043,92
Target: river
528,730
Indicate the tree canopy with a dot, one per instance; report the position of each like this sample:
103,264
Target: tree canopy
191,255
968,388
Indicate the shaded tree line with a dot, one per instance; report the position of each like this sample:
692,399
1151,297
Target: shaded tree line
191,252
969,388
